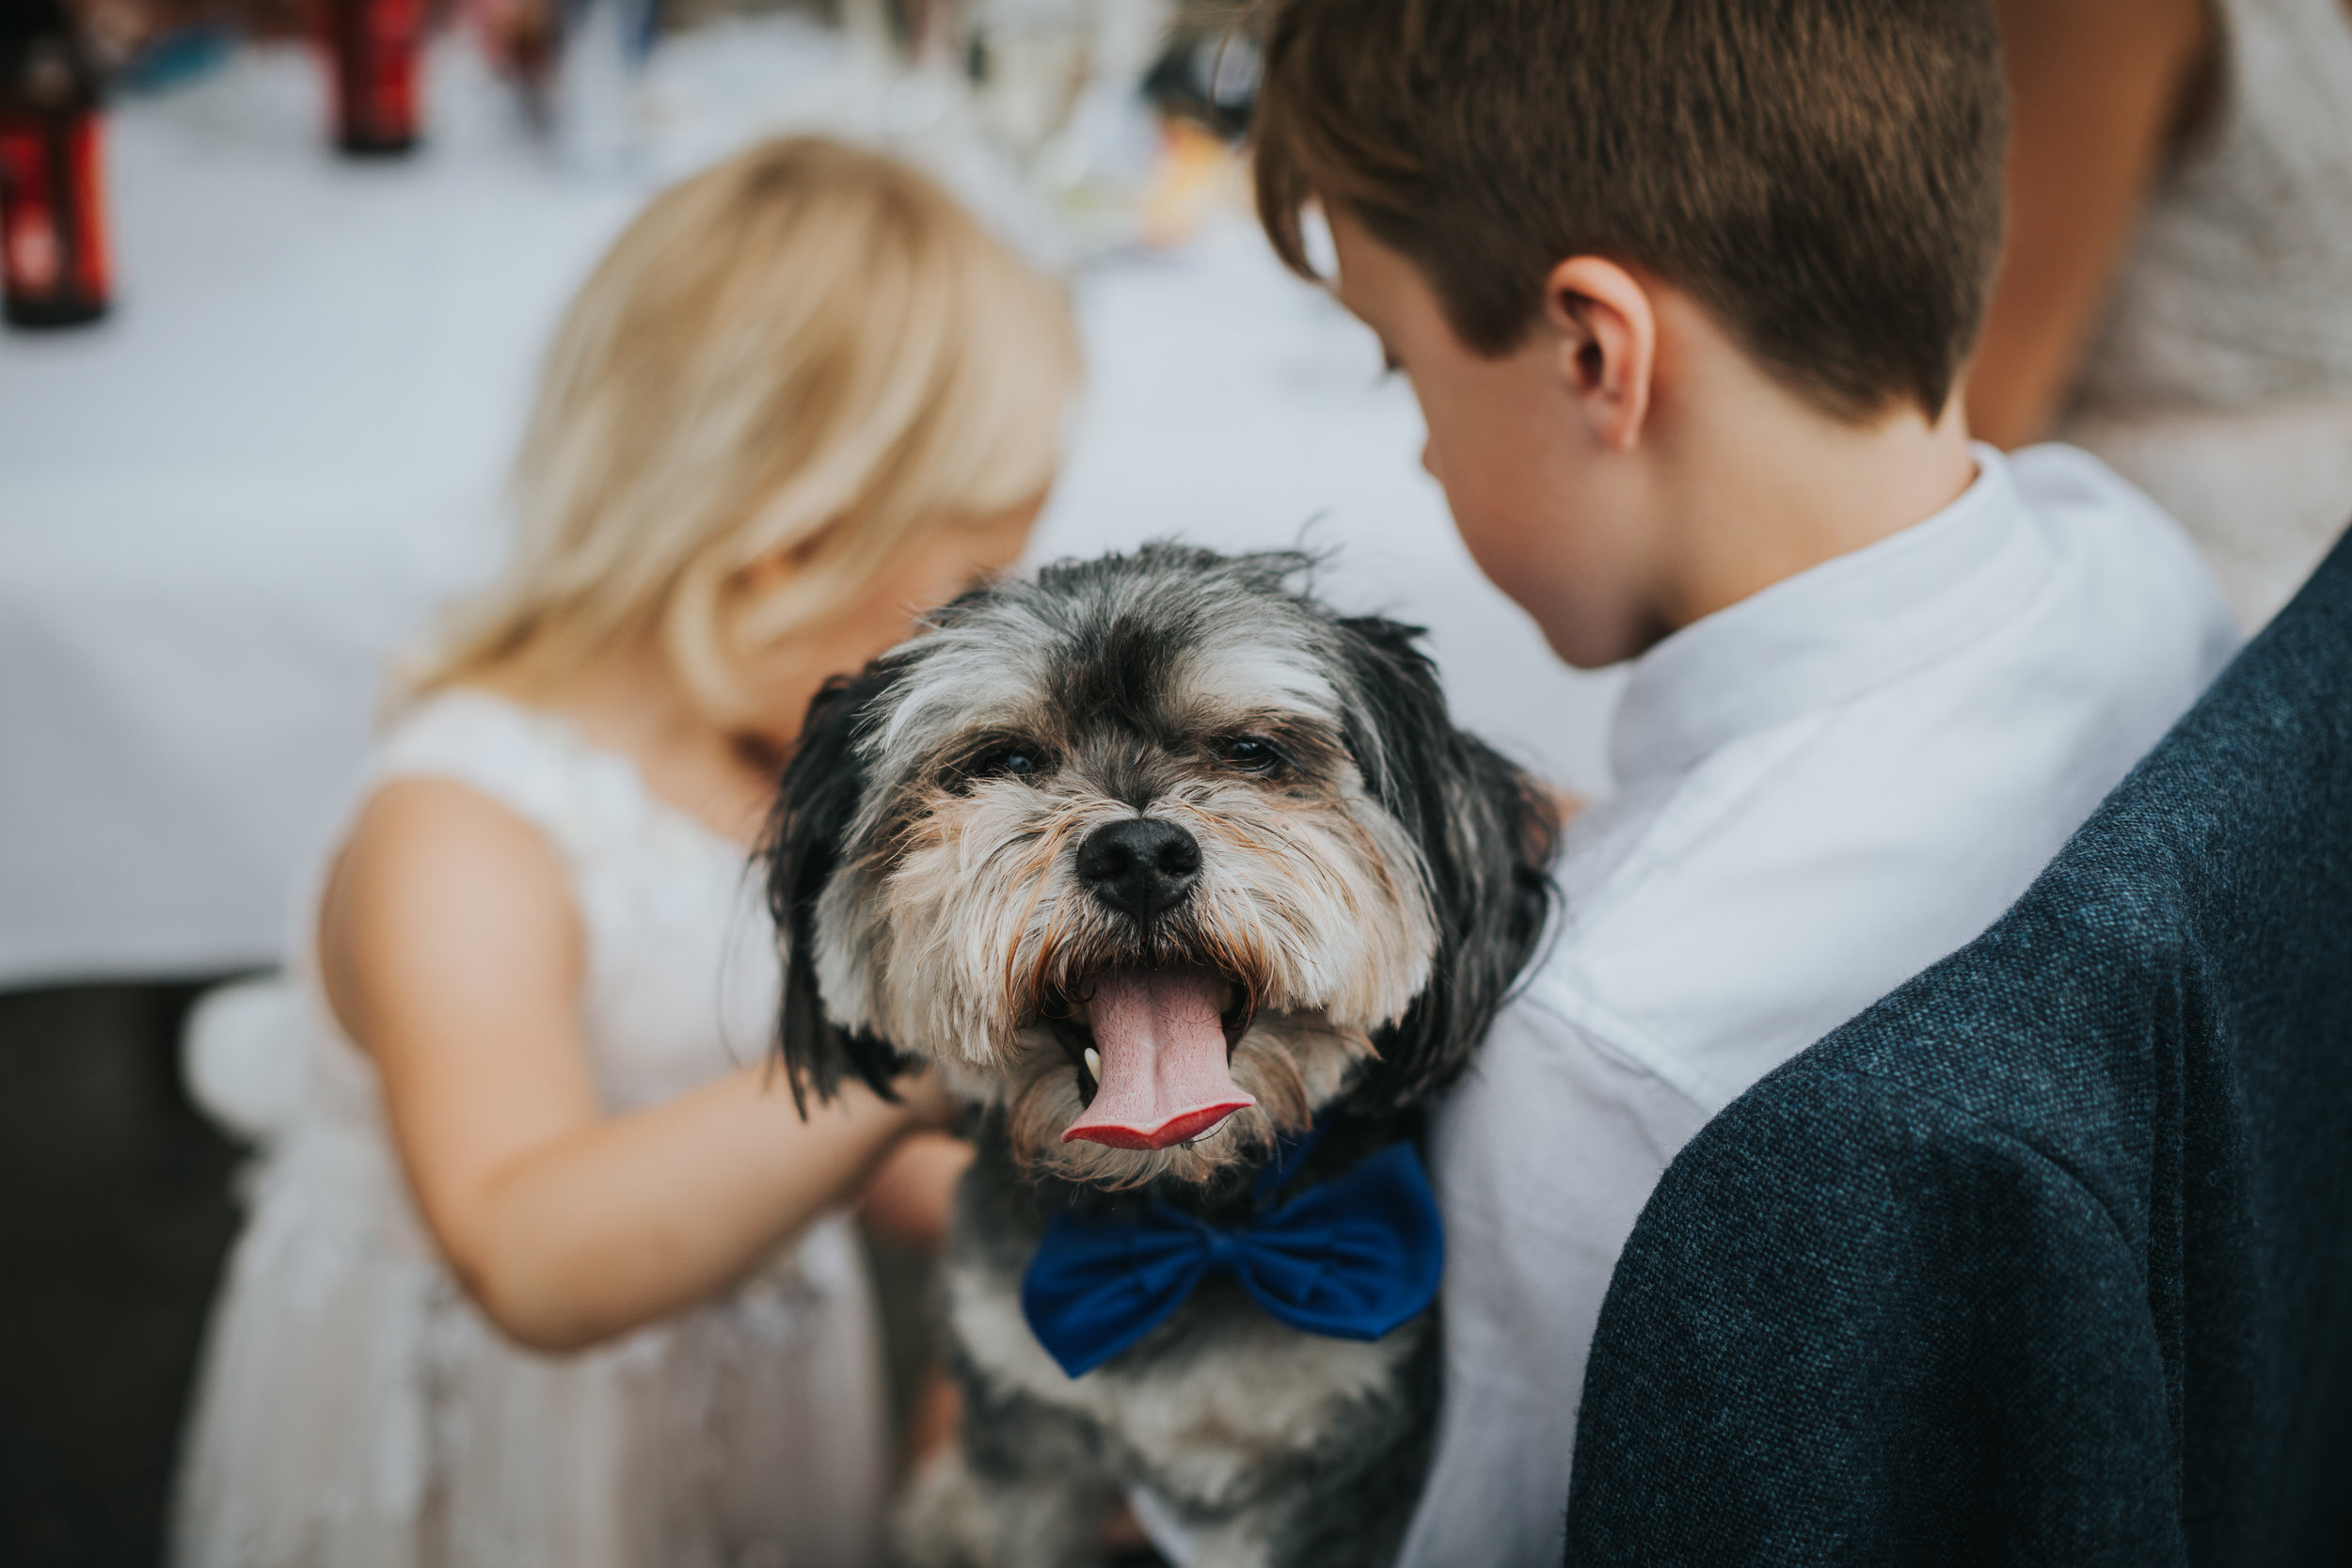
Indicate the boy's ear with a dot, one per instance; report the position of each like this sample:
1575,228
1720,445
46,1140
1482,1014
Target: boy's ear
816,802
1608,331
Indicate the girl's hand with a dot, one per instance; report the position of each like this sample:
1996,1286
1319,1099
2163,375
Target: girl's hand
927,1101
911,1199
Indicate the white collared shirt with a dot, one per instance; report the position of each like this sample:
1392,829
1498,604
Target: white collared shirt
1820,791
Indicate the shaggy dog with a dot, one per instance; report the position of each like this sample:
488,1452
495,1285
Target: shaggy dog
1191,889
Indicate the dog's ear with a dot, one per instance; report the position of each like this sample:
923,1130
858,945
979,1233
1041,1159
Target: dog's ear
816,802
1486,833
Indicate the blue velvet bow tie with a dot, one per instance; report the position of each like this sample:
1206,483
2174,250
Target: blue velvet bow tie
1352,1258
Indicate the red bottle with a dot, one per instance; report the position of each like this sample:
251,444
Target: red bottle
376,46
52,213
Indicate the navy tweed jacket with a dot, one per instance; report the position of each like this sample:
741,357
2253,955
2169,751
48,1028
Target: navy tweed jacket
2048,1257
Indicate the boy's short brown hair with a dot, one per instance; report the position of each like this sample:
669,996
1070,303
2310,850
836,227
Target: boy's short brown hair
1824,176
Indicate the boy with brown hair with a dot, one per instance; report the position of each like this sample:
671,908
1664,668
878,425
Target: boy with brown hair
1686,292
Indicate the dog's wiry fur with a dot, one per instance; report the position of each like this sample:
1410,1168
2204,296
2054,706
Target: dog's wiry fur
1370,881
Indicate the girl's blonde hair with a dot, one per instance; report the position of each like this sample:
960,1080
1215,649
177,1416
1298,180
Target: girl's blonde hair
809,350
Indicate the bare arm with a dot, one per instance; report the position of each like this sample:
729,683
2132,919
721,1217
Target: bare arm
2099,93
452,955
913,1197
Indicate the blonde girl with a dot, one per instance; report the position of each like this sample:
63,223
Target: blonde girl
548,1271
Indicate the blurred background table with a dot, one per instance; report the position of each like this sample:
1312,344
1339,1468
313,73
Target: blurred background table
224,508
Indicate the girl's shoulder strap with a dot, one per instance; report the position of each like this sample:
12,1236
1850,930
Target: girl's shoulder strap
582,800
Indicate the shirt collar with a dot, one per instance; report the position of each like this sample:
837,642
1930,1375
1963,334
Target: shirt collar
1831,633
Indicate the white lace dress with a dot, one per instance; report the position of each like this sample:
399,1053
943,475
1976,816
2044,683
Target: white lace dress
2221,380
355,1411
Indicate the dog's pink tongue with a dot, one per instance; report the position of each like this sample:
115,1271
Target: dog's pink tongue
1164,1077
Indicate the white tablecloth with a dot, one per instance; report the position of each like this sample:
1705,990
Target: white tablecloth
220,511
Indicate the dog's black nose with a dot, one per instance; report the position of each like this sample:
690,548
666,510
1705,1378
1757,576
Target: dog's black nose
1139,866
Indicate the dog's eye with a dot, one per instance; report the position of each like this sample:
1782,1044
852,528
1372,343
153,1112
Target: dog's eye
1250,754
1008,762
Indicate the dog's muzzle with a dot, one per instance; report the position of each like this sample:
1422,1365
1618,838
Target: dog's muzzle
1160,1040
